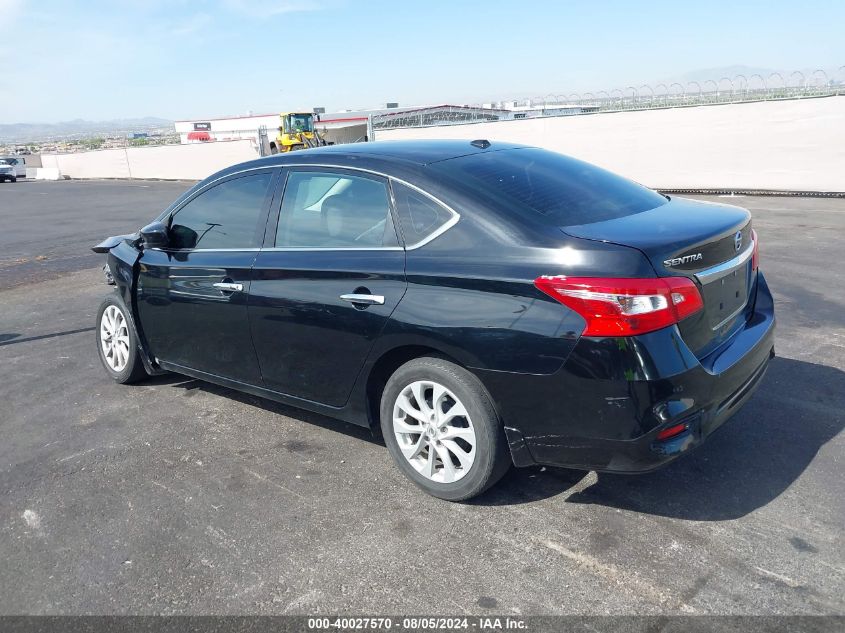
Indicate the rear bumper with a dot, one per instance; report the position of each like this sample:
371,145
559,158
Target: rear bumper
604,409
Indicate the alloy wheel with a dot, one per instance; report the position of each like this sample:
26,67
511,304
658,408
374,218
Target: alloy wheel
434,431
114,338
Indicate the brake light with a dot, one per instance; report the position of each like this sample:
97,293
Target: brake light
625,307
671,431
755,254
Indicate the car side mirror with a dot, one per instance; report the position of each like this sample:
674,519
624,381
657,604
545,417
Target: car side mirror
155,235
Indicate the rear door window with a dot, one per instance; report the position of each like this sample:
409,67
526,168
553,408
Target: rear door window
322,209
563,190
420,217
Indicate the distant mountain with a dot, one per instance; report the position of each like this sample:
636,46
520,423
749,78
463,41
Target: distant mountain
78,128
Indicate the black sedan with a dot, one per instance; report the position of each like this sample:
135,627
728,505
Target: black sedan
479,304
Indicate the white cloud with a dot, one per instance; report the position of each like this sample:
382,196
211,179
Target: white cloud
269,8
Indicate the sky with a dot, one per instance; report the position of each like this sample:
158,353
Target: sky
106,59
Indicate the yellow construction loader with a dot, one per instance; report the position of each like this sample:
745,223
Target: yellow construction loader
296,131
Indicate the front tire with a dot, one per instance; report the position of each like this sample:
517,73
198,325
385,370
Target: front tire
442,430
117,343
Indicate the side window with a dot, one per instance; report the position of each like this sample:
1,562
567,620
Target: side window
419,215
334,210
225,216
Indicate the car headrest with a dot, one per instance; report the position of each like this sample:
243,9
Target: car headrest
348,215
337,212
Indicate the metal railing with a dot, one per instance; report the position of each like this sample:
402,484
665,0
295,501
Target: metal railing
737,89
436,115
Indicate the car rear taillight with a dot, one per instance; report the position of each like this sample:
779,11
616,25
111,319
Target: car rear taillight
672,431
625,307
755,255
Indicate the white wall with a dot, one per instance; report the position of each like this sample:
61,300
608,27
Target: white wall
794,145
177,162
191,162
107,163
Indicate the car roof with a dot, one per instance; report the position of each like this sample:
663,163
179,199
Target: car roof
417,152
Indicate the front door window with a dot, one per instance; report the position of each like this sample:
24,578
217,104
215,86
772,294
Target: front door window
223,217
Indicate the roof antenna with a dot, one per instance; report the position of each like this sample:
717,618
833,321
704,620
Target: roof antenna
480,143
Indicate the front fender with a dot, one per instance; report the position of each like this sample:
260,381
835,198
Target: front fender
123,265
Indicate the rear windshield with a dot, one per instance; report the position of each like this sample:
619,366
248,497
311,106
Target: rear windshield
564,190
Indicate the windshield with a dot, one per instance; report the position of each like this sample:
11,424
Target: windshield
564,190
299,123
5,161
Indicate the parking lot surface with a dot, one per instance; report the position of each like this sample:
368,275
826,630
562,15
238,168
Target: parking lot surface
177,496
49,227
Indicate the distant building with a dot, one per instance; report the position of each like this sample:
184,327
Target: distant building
340,128
346,126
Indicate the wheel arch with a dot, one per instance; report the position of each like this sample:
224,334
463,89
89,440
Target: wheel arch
384,367
123,263
390,360
137,365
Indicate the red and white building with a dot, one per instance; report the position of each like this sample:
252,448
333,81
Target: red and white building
336,127
342,127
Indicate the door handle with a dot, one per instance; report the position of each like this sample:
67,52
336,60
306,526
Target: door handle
360,299
226,286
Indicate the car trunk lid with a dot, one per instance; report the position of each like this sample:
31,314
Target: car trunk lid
706,242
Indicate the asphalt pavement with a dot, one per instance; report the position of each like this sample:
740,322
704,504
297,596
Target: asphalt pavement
179,497
49,227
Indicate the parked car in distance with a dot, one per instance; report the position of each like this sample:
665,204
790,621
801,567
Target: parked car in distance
12,168
480,304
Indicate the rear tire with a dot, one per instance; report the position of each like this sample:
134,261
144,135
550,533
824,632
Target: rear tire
117,343
442,430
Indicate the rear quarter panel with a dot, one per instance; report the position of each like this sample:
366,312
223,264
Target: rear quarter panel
471,291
